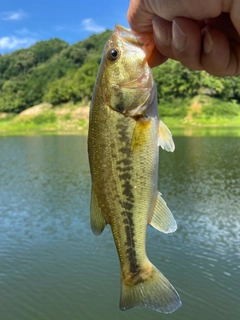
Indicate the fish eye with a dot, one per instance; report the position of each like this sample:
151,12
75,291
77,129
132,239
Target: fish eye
113,54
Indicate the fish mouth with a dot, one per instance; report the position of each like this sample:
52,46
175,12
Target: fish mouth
142,40
138,87
128,35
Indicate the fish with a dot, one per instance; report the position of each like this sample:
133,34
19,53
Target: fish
123,146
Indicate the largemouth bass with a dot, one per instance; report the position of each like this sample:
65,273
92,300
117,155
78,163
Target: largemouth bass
124,135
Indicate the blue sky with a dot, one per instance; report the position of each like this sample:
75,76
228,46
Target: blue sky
22,23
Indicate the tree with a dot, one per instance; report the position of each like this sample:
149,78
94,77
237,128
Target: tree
173,80
57,72
77,85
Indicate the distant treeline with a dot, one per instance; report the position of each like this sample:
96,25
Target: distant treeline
53,71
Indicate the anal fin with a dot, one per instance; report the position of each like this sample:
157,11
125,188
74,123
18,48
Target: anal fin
98,222
162,218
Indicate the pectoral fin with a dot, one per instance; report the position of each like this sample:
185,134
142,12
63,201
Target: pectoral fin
165,139
162,218
98,222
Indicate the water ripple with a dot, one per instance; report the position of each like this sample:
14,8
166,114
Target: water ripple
52,267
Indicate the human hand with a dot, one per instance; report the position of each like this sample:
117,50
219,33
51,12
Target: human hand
202,35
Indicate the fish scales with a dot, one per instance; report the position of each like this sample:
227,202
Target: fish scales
122,172
123,155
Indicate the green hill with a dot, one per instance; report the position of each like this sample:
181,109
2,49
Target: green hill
28,75
55,72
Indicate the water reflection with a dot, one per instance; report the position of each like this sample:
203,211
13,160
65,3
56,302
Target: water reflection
52,267
207,131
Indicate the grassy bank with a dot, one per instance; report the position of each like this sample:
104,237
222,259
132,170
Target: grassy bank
199,112
202,110
45,118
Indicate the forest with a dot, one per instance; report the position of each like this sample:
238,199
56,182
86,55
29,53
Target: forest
54,71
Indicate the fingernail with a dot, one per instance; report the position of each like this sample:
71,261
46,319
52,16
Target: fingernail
179,38
207,42
160,32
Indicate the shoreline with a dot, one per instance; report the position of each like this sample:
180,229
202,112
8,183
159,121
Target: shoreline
72,119
187,130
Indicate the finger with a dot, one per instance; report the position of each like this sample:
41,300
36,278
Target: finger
180,40
220,57
141,12
224,23
162,31
139,18
153,56
156,58
187,42
235,13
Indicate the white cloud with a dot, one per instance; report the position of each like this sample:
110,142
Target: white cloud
60,28
13,15
90,25
12,43
25,32
86,25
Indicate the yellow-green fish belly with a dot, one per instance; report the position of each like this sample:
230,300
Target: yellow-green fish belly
124,159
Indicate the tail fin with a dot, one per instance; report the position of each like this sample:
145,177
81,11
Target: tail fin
155,292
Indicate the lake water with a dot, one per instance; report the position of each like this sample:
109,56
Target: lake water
53,268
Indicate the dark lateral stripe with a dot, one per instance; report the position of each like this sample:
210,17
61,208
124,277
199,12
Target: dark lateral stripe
124,167
125,150
128,205
125,162
125,176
